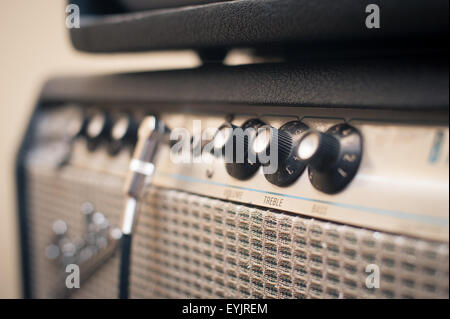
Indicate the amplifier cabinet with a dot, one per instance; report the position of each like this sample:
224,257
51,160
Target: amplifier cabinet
202,233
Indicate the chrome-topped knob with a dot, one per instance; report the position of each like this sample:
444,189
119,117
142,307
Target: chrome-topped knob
235,141
123,133
318,149
275,150
223,140
269,140
98,129
77,123
333,157
124,127
98,125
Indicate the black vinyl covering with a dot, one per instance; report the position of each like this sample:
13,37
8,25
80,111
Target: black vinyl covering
262,23
142,5
391,84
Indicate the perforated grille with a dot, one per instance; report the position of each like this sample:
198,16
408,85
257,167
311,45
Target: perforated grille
59,194
196,247
187,246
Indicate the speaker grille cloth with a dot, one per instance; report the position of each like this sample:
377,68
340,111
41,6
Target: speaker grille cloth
189,246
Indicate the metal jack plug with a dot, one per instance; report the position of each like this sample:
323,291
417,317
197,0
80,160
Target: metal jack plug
151,134
142,167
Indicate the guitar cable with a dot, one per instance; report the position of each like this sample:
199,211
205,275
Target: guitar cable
142,167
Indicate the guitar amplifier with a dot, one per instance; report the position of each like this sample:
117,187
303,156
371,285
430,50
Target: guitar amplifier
356,207
206,231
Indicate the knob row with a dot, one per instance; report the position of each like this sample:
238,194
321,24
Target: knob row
98,127
332,157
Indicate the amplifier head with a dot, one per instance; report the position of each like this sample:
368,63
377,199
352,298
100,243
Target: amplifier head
356,207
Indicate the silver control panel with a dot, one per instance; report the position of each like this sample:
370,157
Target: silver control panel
400,186
347,193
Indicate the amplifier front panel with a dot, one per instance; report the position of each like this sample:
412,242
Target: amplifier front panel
188,246
402,184
214,237
400,187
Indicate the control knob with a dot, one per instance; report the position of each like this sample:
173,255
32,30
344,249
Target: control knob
77,123
123,133
232,142
98,129
275,150
333,157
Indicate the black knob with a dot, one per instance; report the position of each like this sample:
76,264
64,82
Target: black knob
234,144
224,140
284,168
77,123
270,144
333,157
318,149
123,133
98,129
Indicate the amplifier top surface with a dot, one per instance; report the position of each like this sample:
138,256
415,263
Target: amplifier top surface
316,25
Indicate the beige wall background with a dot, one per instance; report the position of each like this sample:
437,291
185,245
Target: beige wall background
34,46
